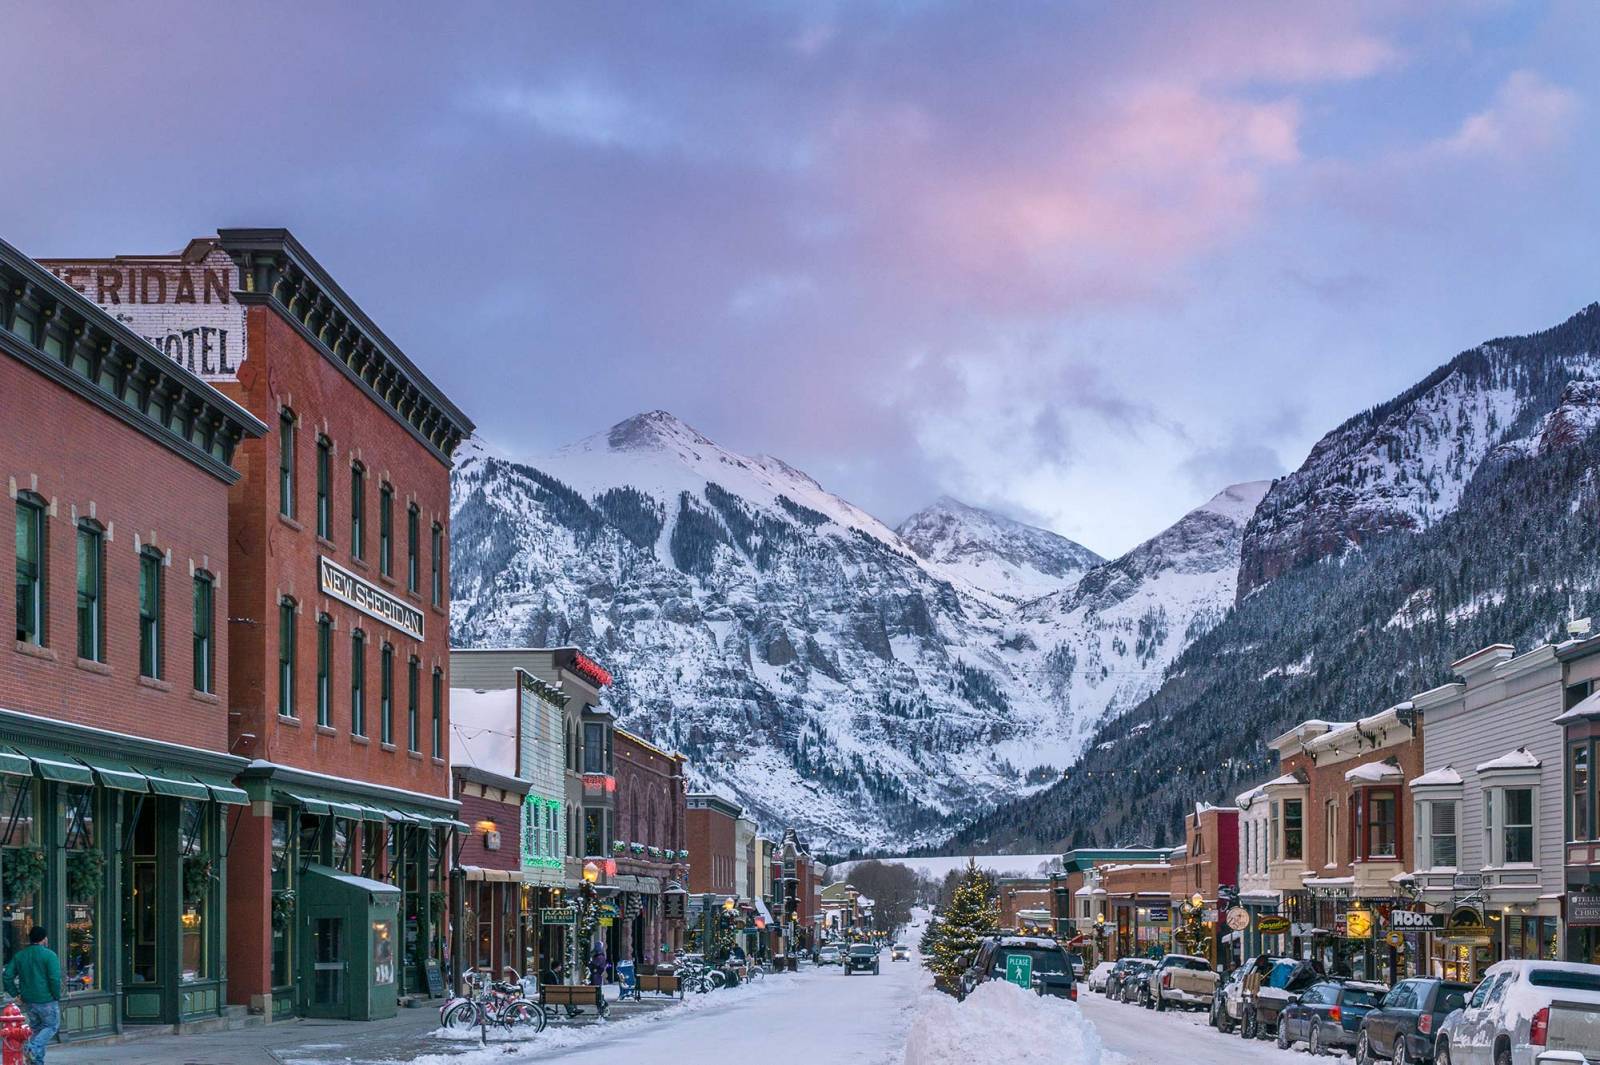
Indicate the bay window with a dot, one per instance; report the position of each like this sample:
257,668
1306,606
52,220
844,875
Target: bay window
1517,829
1442,834
1380,809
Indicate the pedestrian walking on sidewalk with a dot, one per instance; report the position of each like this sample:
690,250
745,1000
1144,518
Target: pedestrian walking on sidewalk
597,962
34,975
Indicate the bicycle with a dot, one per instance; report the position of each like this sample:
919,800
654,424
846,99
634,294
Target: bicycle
490,1003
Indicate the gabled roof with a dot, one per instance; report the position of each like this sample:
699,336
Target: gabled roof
1375,773
1444,777
1521,758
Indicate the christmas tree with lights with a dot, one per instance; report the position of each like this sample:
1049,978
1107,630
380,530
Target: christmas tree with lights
973,915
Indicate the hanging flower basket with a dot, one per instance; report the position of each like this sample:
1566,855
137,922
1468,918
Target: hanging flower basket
86,874
196,879
24,870
282,909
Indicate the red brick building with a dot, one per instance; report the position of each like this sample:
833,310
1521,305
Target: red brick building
490,870
1208,865
652,825
710,833
339,608
114,767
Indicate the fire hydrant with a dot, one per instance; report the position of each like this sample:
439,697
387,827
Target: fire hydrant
14,1031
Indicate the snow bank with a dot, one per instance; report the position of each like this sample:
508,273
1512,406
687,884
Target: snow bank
1002,1022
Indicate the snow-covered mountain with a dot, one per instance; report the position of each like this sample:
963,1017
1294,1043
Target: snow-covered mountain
809,660
1403,464
1012,560
1103,645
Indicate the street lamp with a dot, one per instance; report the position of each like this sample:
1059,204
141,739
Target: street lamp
591,872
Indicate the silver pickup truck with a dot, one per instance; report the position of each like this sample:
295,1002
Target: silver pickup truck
1184,981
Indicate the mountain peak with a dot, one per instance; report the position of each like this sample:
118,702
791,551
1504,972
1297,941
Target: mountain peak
654,430
999,554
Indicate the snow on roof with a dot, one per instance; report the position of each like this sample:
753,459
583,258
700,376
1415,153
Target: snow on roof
1521,758
1285,781
1445,776
1245,798
1587,707
1374,773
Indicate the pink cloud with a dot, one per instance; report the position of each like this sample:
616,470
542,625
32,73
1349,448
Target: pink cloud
1527,113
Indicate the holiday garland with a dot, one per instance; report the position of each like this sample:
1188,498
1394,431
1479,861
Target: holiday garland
24,870
196,879
86,874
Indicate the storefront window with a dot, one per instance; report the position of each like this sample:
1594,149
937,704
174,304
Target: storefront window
1532,938
1578,791
1381,811
343,834
484,909
86,872
391,855
22,863
1293,824
282,898
371,847
383,952
194,847
1518,807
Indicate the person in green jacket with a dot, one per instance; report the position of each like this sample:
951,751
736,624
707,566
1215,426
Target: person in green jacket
34,975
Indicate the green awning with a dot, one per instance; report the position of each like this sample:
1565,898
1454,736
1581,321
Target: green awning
118,775
459,826
305,802
400,816
62,771
372,813
345,809
165,782
14,764
222,789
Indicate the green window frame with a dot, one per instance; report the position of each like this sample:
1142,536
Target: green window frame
151,652
325,488
31,565
91,592
438,713
386,694
438,564
358,506
286,432
286,657
205,672
386,529
325,671
358,683
413,686
413,567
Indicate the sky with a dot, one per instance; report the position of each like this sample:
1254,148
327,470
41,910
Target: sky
1084,264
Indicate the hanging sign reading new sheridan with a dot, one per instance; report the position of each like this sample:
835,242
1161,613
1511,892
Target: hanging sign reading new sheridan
348,588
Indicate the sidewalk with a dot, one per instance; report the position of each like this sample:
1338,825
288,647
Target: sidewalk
401,1038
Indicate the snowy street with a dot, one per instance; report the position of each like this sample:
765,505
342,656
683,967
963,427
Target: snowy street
1145,1037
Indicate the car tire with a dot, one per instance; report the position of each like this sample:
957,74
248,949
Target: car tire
1401,1055
1502,1053
1363,1050
1161,1003
1441,1056
1314,1044
1283,1035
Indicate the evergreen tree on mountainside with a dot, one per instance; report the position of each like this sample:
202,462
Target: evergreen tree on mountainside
973,913
1338,639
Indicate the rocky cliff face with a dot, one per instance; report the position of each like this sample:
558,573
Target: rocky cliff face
1403,465
811,662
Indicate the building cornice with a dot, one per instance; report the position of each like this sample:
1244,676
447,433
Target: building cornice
144,378
277,271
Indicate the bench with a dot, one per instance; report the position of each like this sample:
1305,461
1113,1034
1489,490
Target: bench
661,985
572,997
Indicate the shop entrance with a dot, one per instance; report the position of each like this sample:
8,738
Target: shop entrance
147,968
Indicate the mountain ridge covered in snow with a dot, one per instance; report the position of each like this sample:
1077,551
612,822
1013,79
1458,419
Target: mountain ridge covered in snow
810,661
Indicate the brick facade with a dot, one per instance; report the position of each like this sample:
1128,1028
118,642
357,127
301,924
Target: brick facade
710,833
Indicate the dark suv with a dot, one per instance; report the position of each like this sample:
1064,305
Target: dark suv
1403,1027
861,958
1051,971
1124,968
1328,1015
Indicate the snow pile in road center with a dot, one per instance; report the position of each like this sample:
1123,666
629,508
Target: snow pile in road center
1002,1022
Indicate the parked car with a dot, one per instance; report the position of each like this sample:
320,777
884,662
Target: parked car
1099,975
1328,1015
1120,970
1282,987
1051,969
1403,1027
1523,1010
1182,980
952,985
862,958
828,955
898,952
1227,1005
1136,985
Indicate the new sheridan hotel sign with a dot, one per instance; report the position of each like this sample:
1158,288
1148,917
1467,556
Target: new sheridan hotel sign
348,588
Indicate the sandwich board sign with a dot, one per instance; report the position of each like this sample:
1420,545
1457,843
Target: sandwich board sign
1019,969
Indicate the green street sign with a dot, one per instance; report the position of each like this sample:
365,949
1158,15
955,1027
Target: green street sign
1019,969
558,915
